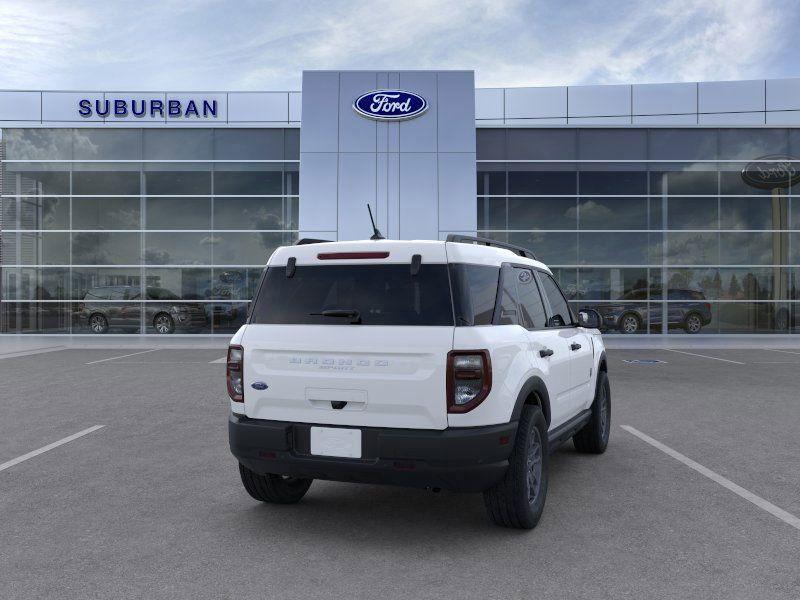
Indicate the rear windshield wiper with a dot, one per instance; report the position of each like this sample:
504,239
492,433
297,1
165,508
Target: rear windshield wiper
347,313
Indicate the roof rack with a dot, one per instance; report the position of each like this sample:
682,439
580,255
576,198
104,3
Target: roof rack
304,241
469,239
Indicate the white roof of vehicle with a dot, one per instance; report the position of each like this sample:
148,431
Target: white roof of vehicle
399,251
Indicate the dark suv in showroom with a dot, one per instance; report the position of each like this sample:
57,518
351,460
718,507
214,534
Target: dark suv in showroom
691,313
103,309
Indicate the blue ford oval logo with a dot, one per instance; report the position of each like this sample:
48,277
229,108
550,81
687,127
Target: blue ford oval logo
390,105
259,385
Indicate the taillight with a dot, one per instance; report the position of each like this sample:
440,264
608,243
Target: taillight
235,373
469,379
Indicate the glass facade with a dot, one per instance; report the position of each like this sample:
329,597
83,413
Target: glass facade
167,230
141,230
651,227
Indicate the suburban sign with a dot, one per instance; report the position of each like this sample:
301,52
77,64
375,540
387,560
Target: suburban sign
773,171
154,107
390,105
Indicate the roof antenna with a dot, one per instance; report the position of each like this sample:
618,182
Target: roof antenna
377,234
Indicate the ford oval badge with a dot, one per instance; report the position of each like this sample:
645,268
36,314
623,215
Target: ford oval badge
390,105
259,385
772,171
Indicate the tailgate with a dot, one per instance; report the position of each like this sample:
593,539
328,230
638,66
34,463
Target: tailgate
371,376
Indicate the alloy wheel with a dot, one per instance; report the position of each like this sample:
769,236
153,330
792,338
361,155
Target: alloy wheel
97,324
534,466
693,324
163,324
630,324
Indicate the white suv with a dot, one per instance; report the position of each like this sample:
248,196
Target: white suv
455,365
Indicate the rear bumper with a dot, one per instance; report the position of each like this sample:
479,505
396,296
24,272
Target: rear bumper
469,459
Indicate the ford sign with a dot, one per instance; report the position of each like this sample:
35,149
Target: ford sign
390,105
770,172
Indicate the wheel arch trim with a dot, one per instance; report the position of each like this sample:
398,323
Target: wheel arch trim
534,385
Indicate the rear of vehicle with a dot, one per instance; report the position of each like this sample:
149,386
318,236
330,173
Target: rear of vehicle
346,371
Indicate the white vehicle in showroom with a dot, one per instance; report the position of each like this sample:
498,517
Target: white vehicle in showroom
452,365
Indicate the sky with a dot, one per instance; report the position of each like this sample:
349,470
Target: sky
205,45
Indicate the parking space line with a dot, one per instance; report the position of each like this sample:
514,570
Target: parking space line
43,449
224,359
775,511
736,362
784,351
94,362
21,353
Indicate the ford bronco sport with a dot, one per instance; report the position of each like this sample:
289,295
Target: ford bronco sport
451,365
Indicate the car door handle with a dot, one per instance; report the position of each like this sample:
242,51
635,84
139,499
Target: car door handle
545,352
574,346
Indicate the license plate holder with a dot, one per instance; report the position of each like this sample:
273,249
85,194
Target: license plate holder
341,442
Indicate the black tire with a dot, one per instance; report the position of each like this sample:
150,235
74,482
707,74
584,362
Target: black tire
630,323
163,323
593,437
98,323
518,499
275,489
693,323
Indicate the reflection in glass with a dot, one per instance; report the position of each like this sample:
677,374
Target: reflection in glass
227,317
33,318
177,213
753,248
105,213
90,283
693,248
551,248
612,213
179,248
106,248
27,283
247,248
613,284
250,182
614,248
111,182
542,213
178,183
38,213
185,284
251,213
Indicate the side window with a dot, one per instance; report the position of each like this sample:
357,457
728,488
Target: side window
474,293
530,301
561,315
508,298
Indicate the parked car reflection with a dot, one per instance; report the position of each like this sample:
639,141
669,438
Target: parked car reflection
103,310
635,311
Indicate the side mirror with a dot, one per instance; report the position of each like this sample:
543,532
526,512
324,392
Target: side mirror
589,318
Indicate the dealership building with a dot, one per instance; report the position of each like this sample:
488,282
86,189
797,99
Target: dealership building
669,208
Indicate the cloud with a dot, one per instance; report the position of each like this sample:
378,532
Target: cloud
206,45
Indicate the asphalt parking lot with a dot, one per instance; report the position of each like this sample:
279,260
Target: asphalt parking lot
150,504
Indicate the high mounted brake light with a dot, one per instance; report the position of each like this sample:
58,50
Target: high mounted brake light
469,379
351,255
234,373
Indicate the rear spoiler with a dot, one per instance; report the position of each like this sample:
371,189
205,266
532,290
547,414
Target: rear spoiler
304,241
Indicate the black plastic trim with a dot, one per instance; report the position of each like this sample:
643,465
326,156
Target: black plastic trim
468,459
471,239
565,431
304,241
534,384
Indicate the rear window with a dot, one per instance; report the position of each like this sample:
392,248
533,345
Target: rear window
381,295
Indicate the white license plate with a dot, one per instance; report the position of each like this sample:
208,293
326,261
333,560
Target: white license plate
336,441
